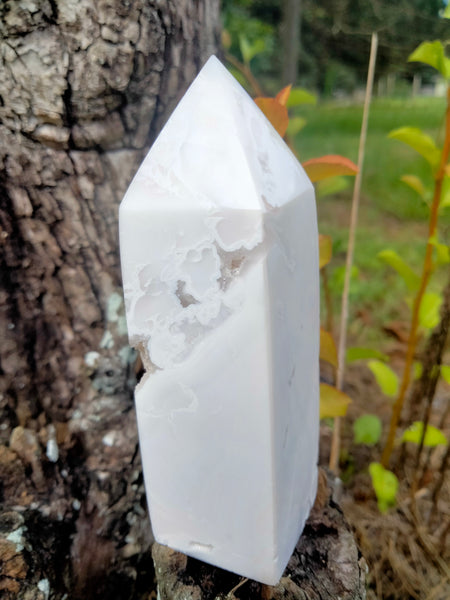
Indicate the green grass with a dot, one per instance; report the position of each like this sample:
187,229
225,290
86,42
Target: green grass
391,215
334,128
378,294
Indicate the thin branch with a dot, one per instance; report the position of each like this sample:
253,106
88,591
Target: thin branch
246,72
236,587
335,443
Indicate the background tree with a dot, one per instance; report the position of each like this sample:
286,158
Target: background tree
290,36
84,89
335,37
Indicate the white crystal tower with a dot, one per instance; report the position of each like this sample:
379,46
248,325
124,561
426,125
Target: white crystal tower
219,252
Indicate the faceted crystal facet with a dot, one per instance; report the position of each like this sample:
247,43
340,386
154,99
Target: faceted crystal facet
219,254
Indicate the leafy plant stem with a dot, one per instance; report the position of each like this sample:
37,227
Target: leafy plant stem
426,273
246,71
335,442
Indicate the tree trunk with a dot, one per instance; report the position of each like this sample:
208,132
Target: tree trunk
84,88
290,35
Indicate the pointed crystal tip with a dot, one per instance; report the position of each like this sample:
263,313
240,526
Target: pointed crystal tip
217,150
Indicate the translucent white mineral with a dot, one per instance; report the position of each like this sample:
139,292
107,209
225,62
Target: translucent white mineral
218,241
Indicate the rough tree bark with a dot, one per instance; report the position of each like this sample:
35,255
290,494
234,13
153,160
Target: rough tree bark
84,88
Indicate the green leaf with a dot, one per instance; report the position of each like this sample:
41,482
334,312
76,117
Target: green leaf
415,184
328,350
357,353
245,48
332,185
446,13
385,484
391,258
418,141
333,403
429,310
385,377
417,370
443,254
249,50
433,54
367,430
300,96
295,125
442,251
433,435
258,46
445,373
445,193
338,276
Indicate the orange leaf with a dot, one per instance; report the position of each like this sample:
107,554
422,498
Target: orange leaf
325,250
283,95
329,166
275,112
328,350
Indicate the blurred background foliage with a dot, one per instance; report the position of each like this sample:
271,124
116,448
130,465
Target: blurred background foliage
322,47
334,38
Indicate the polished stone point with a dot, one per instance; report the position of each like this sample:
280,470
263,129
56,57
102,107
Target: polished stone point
219,251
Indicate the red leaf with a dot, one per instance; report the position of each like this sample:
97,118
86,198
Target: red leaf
276,113
283,95
329,166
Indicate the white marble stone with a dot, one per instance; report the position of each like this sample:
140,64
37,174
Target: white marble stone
219,253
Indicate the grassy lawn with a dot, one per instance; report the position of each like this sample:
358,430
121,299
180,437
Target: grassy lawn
391,214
